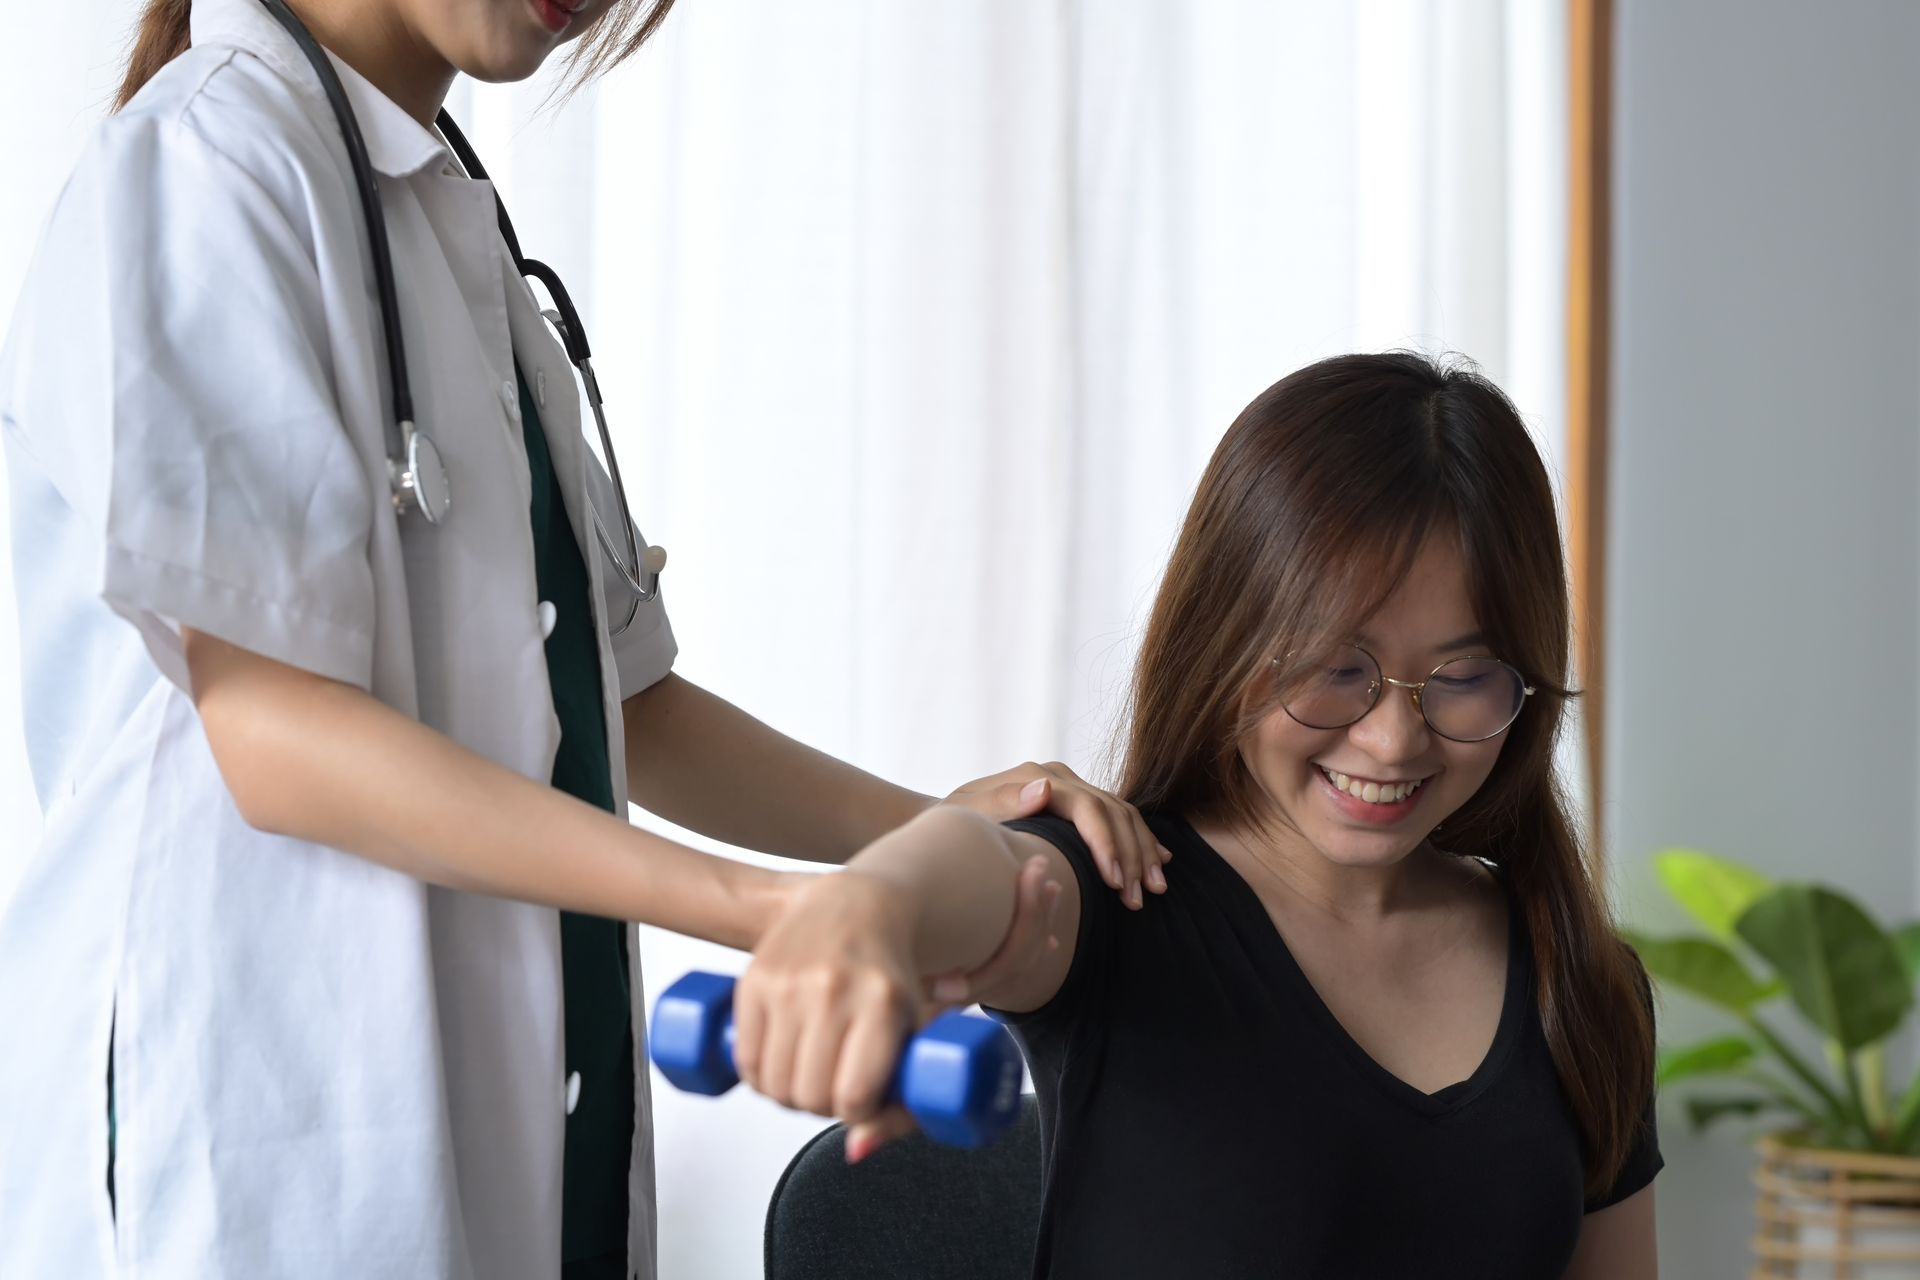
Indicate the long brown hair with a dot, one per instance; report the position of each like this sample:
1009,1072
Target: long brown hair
162,35
1308,517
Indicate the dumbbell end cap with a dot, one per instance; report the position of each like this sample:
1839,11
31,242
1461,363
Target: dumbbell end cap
689,1040
962,1080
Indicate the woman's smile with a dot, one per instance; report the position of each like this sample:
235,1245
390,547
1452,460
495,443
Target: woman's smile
1372,801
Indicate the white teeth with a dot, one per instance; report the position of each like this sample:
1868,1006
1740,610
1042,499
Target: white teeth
1372,792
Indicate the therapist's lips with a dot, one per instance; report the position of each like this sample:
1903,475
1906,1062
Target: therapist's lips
554,16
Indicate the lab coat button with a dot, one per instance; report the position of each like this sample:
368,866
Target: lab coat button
510,397
540,387
573,1092
548,617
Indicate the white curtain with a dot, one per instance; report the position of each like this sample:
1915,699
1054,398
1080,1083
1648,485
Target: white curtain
918,322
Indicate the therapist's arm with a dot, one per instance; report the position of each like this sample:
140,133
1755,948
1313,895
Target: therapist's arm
322,761
704,764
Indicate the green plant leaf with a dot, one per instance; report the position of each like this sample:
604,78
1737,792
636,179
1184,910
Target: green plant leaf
1836,1117
1715,891
1704,1058
1842,970
1704,968
1907,938
1704,1112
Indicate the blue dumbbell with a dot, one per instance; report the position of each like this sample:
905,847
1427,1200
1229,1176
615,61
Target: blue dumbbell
959,1077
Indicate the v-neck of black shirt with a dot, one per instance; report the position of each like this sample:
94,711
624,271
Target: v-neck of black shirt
1186,1051
1292,981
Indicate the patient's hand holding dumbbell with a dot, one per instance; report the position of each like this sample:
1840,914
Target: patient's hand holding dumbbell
835,986
958,1077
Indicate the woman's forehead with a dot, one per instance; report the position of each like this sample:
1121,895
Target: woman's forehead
1468,640
1430,609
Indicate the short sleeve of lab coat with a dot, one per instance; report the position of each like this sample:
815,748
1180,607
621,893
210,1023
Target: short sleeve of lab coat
175,367
644,652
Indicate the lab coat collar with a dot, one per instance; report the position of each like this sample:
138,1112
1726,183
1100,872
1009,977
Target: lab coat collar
397,144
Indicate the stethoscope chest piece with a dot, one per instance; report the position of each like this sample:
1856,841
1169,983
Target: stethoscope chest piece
422,484
415,472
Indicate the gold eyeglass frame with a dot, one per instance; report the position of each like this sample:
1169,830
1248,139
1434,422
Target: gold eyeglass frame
1414,687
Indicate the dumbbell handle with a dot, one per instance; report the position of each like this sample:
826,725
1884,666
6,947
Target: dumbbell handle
959,1076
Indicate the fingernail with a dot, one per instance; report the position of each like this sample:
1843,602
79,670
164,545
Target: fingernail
1166,854
859,1147
1033,789
1133,895
950,990
1157,879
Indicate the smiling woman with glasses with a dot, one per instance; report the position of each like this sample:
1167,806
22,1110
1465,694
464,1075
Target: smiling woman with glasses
1463,699
1380,1025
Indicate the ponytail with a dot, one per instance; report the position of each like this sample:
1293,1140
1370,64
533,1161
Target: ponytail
161,37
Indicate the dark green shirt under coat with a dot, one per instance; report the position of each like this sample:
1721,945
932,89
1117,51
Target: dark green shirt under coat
599,1043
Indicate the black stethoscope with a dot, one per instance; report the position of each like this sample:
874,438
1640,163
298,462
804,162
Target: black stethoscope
415,471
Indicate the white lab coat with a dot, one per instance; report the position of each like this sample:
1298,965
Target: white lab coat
322,1068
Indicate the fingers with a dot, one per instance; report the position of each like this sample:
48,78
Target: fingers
1029,797
826,1041
769,1064
868,1056
1036,897
749,1028
1024,794
1128,855
1157,855
1122,846
951,988
818,1046
866,1138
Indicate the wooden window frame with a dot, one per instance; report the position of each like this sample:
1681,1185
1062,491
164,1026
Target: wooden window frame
1589,315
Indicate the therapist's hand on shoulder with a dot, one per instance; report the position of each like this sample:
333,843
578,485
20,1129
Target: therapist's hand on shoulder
1128,853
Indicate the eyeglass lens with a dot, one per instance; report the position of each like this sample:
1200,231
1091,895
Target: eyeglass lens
1467,699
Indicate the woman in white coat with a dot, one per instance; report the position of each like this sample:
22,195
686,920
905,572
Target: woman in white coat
284,989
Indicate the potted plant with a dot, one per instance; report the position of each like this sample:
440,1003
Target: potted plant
1839,1175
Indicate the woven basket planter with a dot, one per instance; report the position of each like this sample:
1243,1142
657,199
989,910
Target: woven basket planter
1835,1215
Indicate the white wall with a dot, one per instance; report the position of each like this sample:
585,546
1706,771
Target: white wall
1762,636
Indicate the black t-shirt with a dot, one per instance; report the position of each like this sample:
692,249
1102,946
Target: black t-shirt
1204,1114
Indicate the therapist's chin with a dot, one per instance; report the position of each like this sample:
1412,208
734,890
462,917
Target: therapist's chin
505,63
510,54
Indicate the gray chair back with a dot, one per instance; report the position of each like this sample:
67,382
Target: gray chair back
912,1210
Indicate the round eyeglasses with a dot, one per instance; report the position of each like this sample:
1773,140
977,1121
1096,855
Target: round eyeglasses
1463,700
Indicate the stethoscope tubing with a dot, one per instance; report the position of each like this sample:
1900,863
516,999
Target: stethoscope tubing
371,213
416,474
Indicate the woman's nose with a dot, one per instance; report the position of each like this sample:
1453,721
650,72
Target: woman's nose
1394,730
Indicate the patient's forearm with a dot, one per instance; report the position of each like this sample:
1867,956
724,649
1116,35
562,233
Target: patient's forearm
955,873
704,764
325,762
